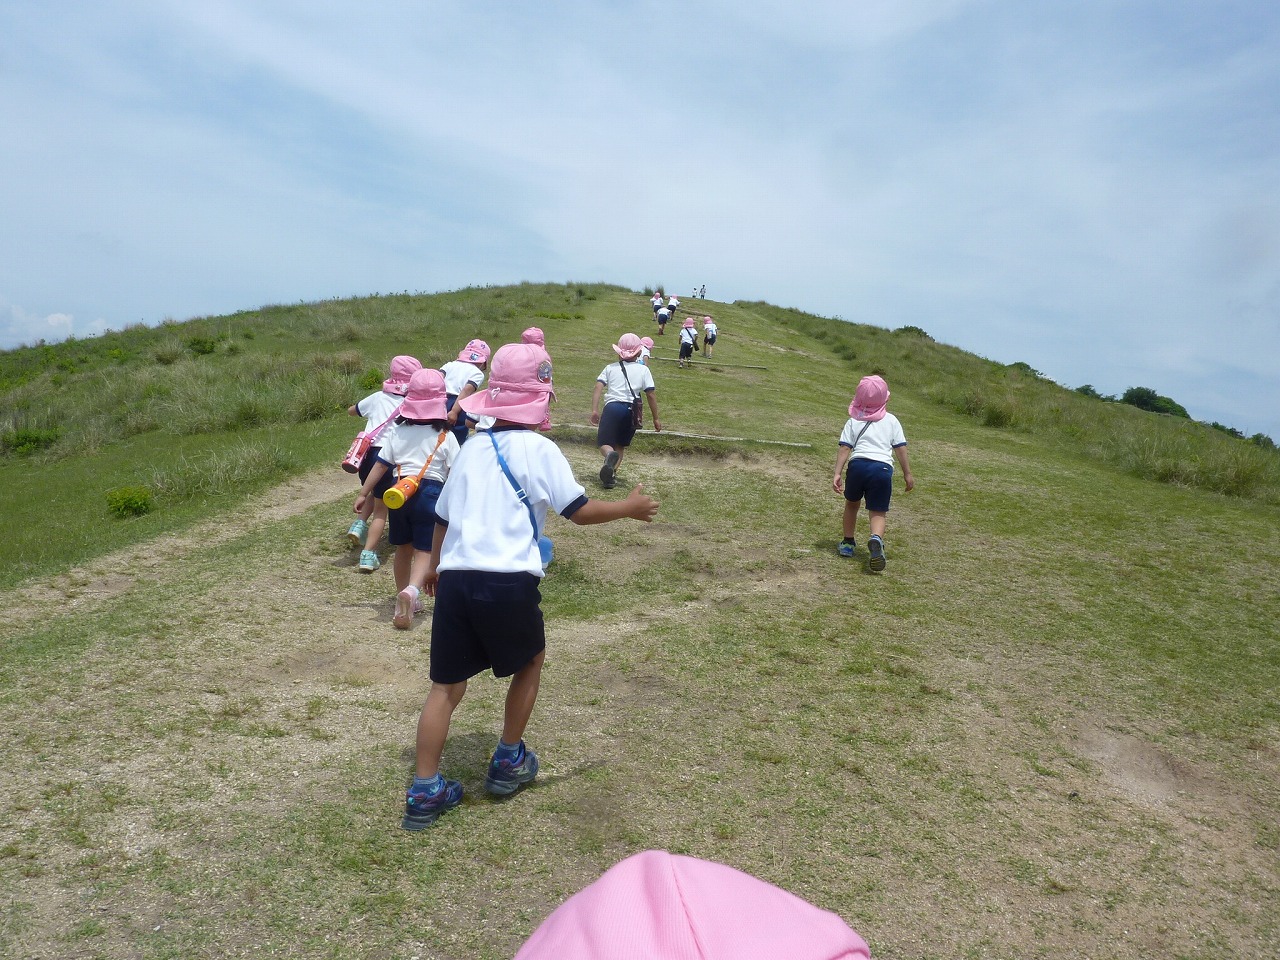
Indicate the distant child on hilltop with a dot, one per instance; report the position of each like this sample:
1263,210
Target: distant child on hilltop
419,445
463,377
485,570
871,439
378,409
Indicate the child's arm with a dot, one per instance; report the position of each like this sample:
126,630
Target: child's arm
901,453
842,458
595,402
375,475
354,410
653,409
637,506
437,542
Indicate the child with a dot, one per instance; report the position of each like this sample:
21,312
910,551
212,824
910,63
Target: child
869,442
646,350
421,437
620,385
378,409
657,303
485,568
673,304
463,377
688,341
709,334
663,316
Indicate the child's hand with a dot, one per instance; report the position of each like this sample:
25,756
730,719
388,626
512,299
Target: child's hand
595,418
360,502
837,483
640,506
429,583
909,481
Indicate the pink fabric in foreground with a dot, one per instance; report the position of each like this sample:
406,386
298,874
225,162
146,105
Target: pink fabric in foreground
659,906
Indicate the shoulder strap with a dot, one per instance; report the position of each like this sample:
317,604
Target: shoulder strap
520,494
859,437
622,365
377,430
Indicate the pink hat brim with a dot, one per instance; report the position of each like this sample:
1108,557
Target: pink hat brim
518,406
427,409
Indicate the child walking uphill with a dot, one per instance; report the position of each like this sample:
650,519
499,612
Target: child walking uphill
485,570
621,385
419,445
463,377
871,439
688,342
378,409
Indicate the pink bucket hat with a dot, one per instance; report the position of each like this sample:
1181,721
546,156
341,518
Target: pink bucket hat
657,906
706,320
870,399
477,352
534,335
402,368
646,342
425,399
688,322
628,346
519,387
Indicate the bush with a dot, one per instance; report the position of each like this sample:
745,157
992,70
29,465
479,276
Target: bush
25,441
129,501
911,331
202,346
1144,398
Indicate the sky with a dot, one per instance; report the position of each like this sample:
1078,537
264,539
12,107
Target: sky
1091,188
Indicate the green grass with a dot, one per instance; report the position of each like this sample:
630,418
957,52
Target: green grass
1052,721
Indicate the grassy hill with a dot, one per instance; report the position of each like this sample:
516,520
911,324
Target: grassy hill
1049,727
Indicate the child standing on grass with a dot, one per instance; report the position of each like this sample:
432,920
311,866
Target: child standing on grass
709,335
463,377
871,439
485,569
420,438
377,409
619,384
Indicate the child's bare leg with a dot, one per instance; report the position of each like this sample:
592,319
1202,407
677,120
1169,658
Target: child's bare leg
877,522
521,696
418,570
377,524
433,726
851,518
402,564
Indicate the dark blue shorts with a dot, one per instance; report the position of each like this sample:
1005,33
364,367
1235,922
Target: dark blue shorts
366,466
484,621
415,522
615,428
871,479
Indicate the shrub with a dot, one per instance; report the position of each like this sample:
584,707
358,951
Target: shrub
372,380
168,352
911,331
1144,398
1263,441
202,346
25,441
129,501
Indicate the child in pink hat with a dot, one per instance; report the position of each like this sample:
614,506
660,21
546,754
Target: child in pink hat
463,377
688,341
709,335
871,439
420,438
378,409
659,906
646,350
485,569
621,385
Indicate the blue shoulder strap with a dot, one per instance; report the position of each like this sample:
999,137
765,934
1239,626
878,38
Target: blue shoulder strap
520,494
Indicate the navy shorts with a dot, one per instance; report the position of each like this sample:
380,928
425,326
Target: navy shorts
366,467
871,479
710,339
415,522
615,428
484,621
686,350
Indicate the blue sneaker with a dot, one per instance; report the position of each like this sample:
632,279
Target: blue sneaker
507,776
368,561
876,549
357,533
846,548
421,811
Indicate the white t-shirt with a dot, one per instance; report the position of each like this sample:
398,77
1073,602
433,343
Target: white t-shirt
657,300
673,302
709,329
458,373
664,315
488,526
407,446
644,356
877,442
376,409
615,382
688,335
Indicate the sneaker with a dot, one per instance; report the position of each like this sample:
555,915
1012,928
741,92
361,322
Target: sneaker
405,602
876,548
610,465
421,811
368,561
846,548
357,533
506,777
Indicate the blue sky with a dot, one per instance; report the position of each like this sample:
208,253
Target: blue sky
1092,188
